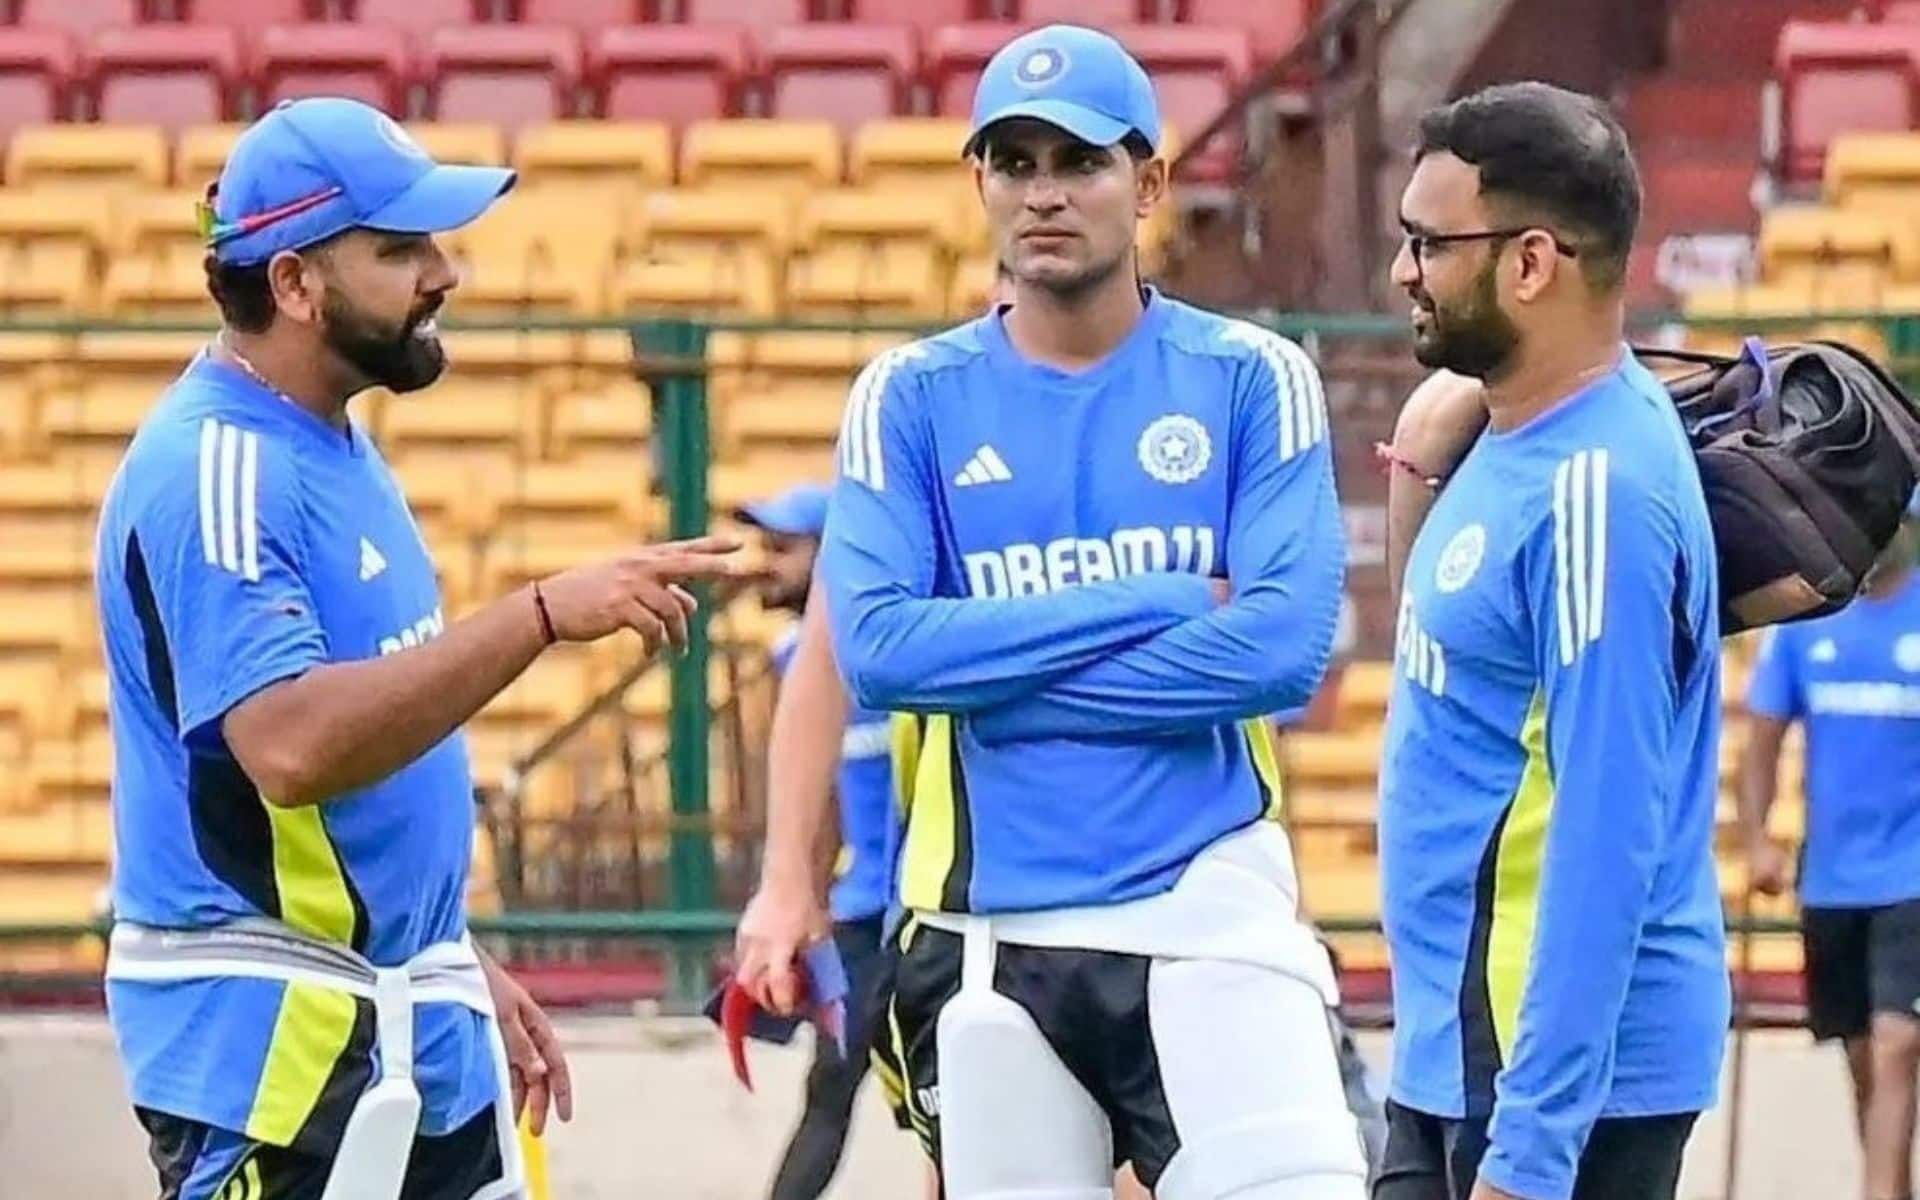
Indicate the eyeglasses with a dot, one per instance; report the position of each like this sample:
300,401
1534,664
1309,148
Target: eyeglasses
1421,243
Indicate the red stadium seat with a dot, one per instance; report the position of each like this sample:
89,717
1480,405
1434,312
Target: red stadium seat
167,75
78,16
671,73
924,15
249,17
1843,78
509,75
1195,73
35,67
758,13
1100,14
848,74
585,16
1274,25
417,17
957,55
333,59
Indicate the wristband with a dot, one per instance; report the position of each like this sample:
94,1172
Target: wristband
1389,458
546,618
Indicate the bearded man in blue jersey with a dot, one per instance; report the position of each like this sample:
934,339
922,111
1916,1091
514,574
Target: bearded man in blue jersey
292,990
1090,541
1550,769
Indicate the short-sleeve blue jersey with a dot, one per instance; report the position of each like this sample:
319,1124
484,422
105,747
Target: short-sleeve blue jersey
243,542
1548,783
1853,678
1021,554
869,817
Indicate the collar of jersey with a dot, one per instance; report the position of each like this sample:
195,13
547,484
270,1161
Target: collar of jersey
1620,376
1001,349
230,377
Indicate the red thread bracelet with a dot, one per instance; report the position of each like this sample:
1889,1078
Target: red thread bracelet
1389,458
546,618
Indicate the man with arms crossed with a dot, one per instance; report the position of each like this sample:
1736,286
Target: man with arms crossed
293,806
1549,771
1853,680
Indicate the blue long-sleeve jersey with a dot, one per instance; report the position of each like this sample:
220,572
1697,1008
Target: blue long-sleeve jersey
1548,786
1022,554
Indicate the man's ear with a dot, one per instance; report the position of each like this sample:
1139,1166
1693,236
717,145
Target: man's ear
1150,186
296,286
1538,262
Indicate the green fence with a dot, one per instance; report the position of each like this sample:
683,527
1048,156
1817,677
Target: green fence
1363,352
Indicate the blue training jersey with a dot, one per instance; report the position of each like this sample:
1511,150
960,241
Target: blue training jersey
245,541
1854,679
1020,554
869,818
1547,787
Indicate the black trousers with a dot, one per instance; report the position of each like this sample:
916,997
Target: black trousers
1437,1158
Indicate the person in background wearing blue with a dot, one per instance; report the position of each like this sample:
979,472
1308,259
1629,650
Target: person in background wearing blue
1550,766
1089,540
1852,680
290,983
859,863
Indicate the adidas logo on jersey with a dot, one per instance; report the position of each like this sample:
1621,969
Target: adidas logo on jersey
986,466
372,562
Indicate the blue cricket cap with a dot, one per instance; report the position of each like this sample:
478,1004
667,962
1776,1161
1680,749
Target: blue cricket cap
1078,79
800,511
316,167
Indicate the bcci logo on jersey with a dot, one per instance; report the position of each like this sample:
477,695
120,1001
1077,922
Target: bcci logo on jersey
1175,449
1029,569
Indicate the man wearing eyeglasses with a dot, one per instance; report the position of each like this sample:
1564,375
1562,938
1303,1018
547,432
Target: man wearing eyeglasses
1550,768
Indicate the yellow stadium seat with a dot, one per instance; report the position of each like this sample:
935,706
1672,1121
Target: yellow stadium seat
1838,252
200,153
71,834
1364,688
812,370
42,503
49,896
705,252
608,416
51,243
764,472
32,629
1879,171
1331,759
495,419
448,498
911,153
869,253
760,153
1725,306
472,143
975,283
88,156
152,219
557,502
533,250
166,282
509,564
806,417
101,410
620,156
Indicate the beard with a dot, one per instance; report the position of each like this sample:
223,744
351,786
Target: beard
1069,286
1472,338
403,359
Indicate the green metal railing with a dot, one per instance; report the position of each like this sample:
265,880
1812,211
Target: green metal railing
671,355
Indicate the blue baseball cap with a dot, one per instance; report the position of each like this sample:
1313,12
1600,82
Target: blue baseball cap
800,511
316,167
1078,79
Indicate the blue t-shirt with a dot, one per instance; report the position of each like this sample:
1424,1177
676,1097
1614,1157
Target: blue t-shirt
1547,787
869,817
243,542
1021,554
1854,679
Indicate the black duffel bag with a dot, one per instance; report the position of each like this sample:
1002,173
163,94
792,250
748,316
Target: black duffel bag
1808,454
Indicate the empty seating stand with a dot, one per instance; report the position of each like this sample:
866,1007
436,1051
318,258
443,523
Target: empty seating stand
364,62
847,74
1843,78
167,75
511,75
249,17
36,68
676,74
582,16
80,17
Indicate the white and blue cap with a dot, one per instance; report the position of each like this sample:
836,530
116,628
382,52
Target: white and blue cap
317,167
800,511
1078,79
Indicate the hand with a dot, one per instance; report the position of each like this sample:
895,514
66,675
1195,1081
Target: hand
780,922
1482,1190
1440,422
535,1062
1769,867
1222,590
639,590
